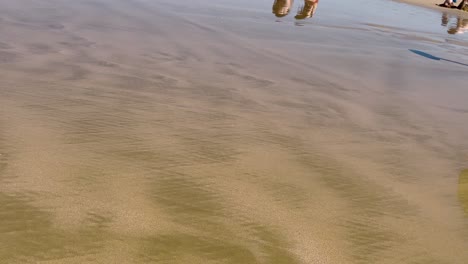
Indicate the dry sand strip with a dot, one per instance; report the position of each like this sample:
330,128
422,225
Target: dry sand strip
433,5
134,134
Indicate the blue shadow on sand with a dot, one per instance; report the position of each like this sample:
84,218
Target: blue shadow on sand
432,57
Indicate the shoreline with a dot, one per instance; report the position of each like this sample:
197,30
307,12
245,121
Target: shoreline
433,5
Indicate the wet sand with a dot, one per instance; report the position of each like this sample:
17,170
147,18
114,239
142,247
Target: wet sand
160,132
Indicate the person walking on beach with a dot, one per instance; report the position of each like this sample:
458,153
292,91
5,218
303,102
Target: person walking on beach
308,10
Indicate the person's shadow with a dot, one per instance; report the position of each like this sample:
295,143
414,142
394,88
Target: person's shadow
432,57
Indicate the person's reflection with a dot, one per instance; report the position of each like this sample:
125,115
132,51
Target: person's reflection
308,10
281,8
460,27
445,19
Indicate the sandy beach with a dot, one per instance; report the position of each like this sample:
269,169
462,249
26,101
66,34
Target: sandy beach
138,131
433,5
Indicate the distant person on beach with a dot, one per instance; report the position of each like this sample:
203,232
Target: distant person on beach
281,8
463,5
447,3
308,10
451,4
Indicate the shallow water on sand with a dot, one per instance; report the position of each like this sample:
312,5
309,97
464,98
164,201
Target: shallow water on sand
136,131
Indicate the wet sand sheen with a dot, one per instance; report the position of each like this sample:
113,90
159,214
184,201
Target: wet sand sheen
133,133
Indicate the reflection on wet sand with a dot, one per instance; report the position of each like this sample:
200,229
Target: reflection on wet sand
455,25
307,10
281,8
133,134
